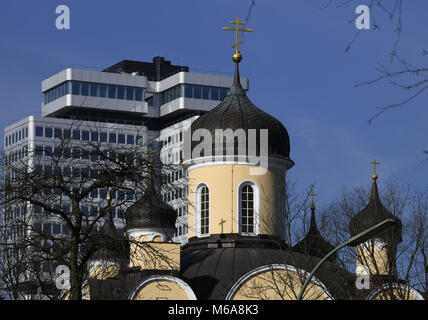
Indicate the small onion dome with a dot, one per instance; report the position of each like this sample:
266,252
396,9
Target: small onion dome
109,244
373,214
313,244
150,211
236,111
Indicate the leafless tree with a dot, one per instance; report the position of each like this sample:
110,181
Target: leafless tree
333,222
56,198
412,79
410,207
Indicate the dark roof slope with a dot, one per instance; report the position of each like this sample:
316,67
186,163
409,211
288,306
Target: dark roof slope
313,243
109,243
213,265
150,211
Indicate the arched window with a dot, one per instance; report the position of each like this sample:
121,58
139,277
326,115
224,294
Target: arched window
247,209
204,210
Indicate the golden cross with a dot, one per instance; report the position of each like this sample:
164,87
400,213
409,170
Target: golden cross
237,29
374,163
312,194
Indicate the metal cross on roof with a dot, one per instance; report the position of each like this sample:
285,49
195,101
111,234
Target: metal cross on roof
312,194
237,29
374,163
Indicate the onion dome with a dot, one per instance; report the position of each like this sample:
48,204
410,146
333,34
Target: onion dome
313,244
373,214
150,211
236,111
109,244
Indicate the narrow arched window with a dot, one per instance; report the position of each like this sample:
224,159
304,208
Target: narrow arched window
247,209
204,210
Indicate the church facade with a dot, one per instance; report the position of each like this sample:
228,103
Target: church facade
236,248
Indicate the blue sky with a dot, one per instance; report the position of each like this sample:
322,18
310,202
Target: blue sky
295,60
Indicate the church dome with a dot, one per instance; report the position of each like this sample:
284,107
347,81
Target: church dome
109,243
373,214
150,211
236,111
313,243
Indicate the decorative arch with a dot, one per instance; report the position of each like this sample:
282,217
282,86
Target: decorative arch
203,210
398,286
162,278
157,239
262,269
243,204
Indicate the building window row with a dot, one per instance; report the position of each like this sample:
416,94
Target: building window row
92,89
87,135
17,213
181,211
16,155
170,140
174,176
87,211
79,153
174,195
193,91
16,136
205,92
182,230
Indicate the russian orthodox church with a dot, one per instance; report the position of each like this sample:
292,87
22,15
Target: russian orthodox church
236,248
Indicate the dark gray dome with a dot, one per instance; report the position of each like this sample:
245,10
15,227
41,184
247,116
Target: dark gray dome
236,111
109,243
150,211
313,243
211,266
373,214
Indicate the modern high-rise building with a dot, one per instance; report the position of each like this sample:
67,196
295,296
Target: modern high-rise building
133,102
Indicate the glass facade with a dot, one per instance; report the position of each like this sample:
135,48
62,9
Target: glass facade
205,92
84,135
81,88
191,91
19,135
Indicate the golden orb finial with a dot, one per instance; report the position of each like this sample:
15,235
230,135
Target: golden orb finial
237,57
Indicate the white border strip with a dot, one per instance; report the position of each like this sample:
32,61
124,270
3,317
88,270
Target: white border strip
183,285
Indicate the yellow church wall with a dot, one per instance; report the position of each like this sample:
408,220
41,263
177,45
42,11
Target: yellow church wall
155,255
162,290
223,182
372,257
102,272
277,285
